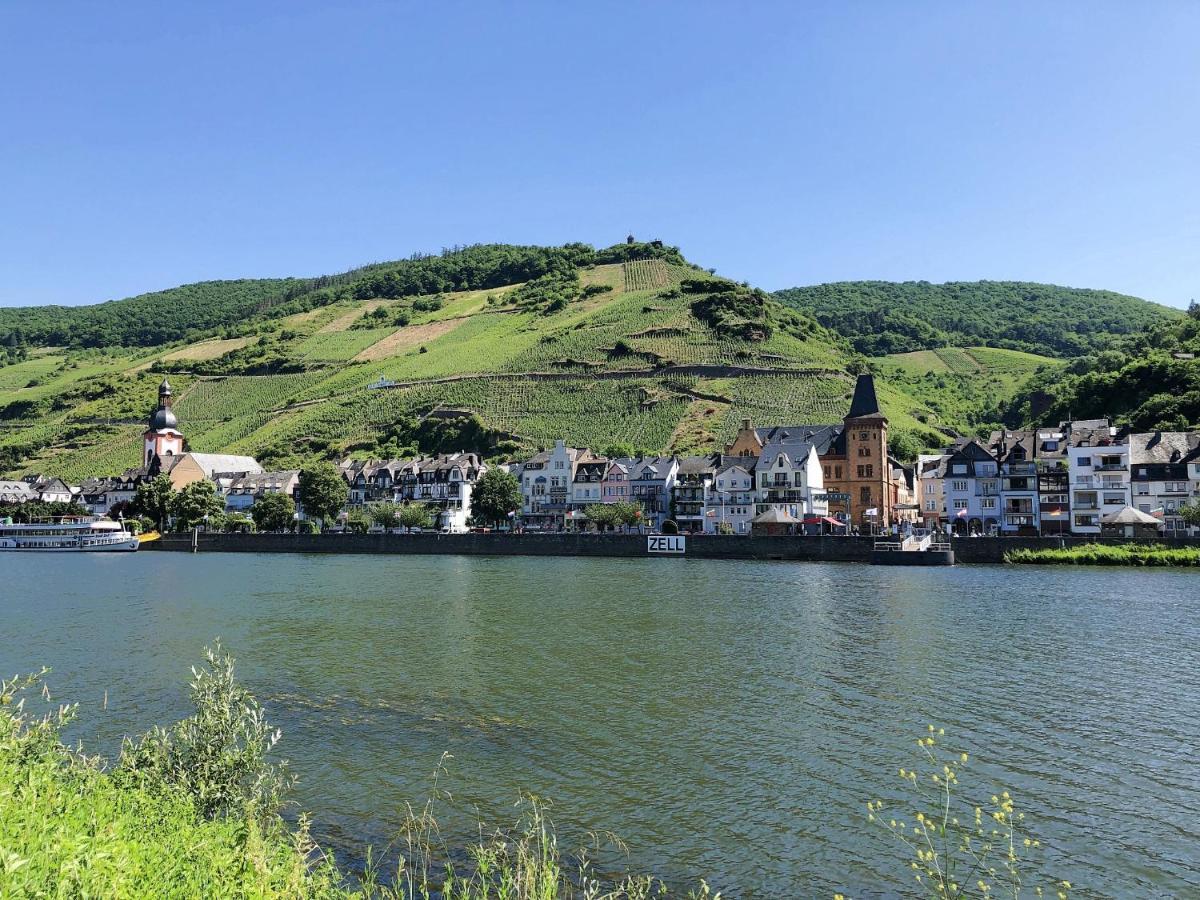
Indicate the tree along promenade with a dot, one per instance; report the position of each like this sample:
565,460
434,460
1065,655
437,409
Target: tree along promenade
775,547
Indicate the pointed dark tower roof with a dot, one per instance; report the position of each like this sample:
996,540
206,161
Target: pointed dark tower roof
865,404
163,417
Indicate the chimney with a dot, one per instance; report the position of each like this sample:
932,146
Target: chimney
746,424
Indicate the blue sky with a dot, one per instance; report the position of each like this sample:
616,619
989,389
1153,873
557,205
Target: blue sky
149,145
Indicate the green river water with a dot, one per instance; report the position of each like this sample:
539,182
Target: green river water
729,720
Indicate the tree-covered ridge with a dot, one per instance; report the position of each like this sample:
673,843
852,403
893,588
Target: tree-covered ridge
1149,380
881,317
147,319
191,311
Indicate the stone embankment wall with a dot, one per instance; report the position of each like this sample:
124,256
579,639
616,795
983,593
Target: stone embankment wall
812,549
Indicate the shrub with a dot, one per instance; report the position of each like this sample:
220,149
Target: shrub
1151,555
218,756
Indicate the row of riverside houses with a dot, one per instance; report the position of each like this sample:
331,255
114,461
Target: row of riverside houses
775,480
778,479
1082,477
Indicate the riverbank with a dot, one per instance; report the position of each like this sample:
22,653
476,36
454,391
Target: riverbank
826,548
183,813
1094,554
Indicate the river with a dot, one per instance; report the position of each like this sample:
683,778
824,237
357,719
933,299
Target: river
727,720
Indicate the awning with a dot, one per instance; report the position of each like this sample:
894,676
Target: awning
823,520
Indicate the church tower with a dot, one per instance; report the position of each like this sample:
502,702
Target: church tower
867,468
163,437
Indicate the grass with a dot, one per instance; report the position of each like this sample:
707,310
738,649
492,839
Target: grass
208,349
963,388
1150,555
191,811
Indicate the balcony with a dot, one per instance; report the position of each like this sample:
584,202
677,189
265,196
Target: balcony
1109,467
784,495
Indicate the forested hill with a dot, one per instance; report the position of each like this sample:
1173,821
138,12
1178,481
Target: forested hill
195,310
882,317
1149,381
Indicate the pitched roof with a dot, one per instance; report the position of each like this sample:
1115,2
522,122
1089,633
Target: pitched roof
1164,447
699,465
823,436
211,463
16,492
261,481
797,451
864,404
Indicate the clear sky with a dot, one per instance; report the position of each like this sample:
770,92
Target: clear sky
145,145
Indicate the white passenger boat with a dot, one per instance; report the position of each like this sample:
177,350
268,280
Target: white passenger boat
80,535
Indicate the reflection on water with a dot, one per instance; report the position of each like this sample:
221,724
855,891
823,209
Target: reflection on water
727,719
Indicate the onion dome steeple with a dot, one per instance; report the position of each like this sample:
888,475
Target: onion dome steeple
163,417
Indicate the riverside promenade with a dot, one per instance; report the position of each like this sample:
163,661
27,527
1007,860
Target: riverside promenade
791,548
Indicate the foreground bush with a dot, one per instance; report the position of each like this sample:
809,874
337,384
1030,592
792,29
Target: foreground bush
192,811
1109,555
69,829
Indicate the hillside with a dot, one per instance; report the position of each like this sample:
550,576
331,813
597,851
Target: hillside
497,348
629,346
1149,380
968,389
880,317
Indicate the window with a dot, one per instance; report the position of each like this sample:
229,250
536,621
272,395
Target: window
837,471
864,436
960,469
1085,461
826,470
958,485
960,504
988,503
864,495
558,464
864,451
866,471
930,488
1143,489
931,506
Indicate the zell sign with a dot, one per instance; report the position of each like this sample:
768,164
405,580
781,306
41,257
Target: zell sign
666,543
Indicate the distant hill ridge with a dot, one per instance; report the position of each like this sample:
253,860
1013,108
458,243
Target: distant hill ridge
189,311
883,317
643,349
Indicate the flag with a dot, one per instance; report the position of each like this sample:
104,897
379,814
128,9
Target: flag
873,511
1158,513
962,514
